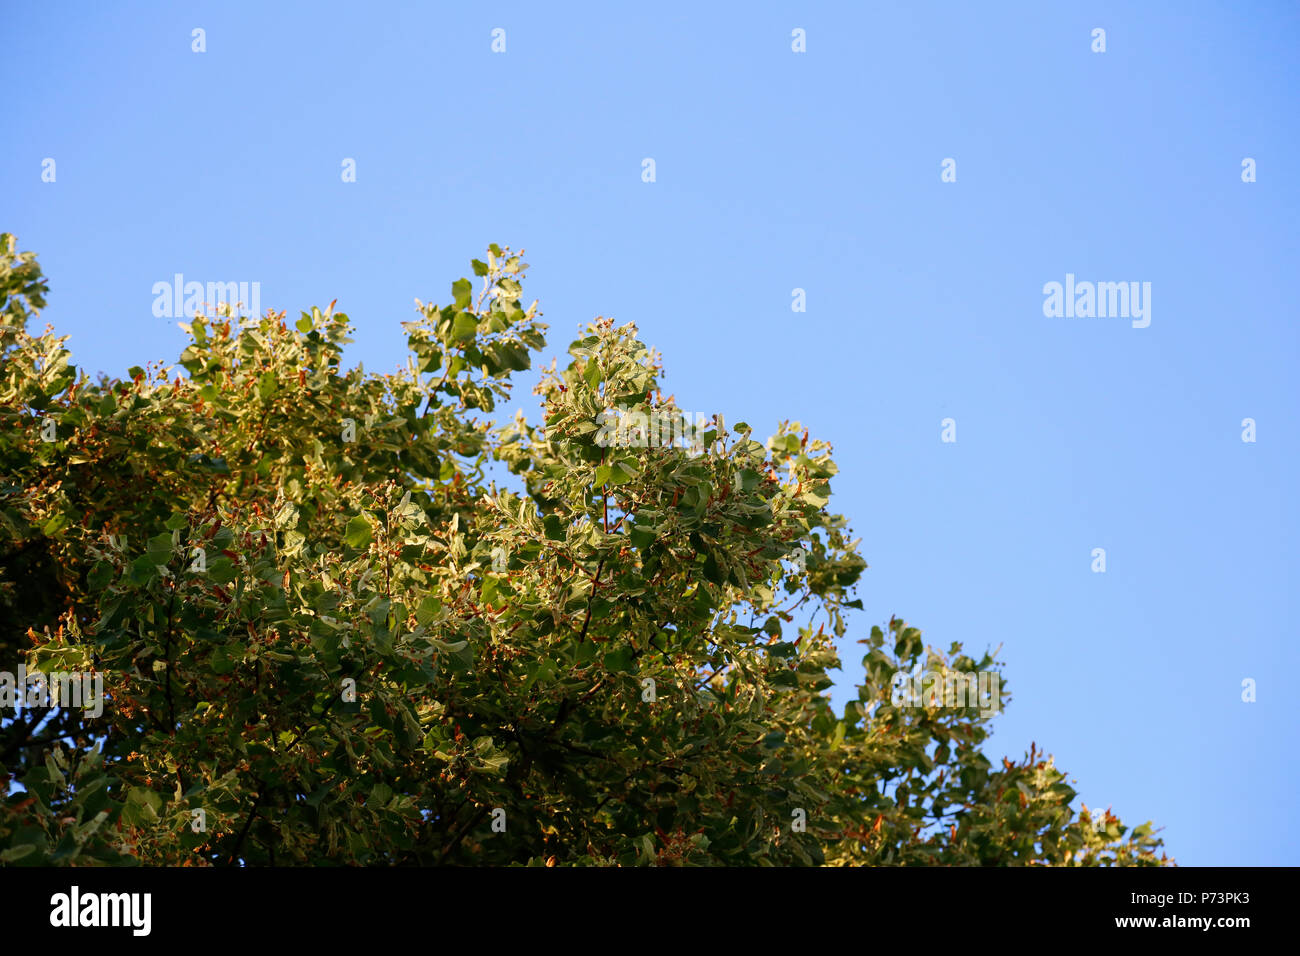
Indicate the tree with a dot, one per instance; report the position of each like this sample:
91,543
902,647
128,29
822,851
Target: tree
326,636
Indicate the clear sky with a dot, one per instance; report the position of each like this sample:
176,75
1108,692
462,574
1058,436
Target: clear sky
777,170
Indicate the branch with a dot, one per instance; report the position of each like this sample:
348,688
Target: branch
252,815
595,583
470,824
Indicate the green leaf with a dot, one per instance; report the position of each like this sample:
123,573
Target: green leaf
267,385
620,660
462,291
100,576
159,548
465,327
784,678
429,608
713,571
57,522
142,569
16,852
358,533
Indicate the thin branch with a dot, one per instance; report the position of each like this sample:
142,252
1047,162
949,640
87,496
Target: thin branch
595,583
252,815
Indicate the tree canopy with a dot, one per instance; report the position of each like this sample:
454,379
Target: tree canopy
326,635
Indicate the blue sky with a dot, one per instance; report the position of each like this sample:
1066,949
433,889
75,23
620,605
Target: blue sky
778,170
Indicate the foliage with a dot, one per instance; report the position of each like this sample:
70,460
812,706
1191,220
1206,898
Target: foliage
604,661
